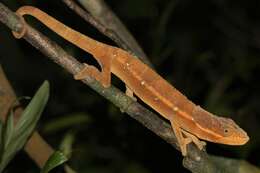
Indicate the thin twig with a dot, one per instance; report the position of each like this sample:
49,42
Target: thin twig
103,29
101,13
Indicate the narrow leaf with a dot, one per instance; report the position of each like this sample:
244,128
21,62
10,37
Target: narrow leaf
66,121
25,125
1,140
56,159
9,130
35,107
66,144
1,129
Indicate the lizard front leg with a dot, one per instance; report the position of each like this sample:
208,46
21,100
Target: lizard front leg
181,140
184,141
195,140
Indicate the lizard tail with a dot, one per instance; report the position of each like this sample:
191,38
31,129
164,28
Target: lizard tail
82,41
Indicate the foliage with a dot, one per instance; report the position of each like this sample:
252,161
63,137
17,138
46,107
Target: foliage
56,159
13,137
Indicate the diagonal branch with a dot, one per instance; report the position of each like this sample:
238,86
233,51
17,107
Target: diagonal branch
59,56
101,13
114,31
197,161
102,28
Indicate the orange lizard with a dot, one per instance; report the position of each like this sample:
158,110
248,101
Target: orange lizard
189,121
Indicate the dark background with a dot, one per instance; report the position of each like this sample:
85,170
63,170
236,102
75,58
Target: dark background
208,49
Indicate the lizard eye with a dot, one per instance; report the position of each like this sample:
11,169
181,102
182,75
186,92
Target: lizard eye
226,131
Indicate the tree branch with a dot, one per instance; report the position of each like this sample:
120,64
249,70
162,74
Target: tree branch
196,161
103,14
59,56
100,27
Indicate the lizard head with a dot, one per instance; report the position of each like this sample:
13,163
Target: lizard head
218,129
231,134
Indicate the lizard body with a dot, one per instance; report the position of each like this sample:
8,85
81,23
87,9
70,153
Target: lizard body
188,120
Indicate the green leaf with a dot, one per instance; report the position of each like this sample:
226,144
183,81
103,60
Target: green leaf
14,138
1,140
66,121
66,144
9,130
56,159
34,108
1,129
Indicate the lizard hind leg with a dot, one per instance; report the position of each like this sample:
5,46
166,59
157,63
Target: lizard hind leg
130,93
103,76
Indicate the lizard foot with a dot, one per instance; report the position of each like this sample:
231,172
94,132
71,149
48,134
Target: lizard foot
92,71
184,138
130,93
195,140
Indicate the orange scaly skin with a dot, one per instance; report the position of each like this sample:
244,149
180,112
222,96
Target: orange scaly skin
188,120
